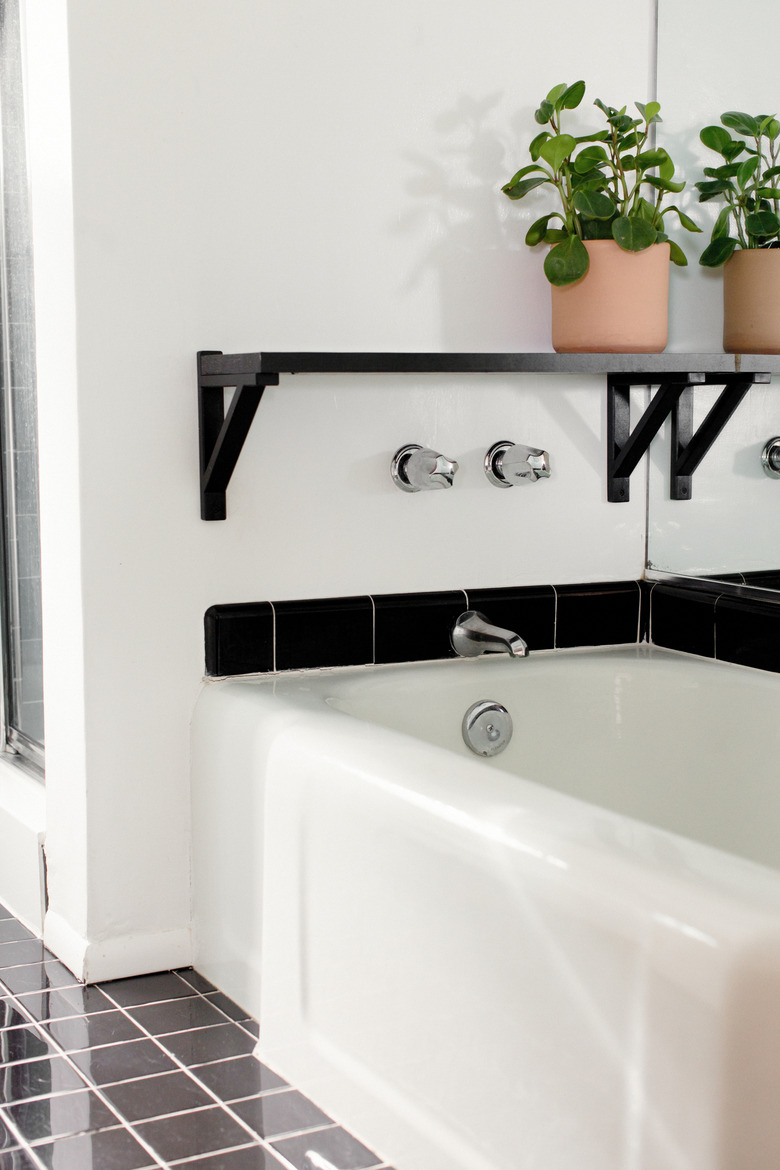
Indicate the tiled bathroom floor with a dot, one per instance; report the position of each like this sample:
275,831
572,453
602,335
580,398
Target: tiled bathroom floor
146,1072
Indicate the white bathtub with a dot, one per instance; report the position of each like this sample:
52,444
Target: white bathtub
564,958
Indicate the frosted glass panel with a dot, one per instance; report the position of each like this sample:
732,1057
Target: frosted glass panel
23,673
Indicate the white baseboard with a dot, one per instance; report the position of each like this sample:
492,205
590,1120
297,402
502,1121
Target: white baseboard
22,828
116,958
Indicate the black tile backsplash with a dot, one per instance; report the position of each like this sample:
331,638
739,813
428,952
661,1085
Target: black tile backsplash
416,625
601,614
330,631
239,638
530,612
748,632
683,619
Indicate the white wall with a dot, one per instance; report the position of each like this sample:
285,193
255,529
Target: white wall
296,174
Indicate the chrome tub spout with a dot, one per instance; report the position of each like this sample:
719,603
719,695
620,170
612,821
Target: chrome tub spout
473,635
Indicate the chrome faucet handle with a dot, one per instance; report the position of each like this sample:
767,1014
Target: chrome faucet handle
418,469
507,464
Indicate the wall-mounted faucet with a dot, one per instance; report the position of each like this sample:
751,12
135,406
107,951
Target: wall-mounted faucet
418,469
472,636
770,458
507,464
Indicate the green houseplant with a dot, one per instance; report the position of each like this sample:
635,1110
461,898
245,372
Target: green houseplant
746,235
608,263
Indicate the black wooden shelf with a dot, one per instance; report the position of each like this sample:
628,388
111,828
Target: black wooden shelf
675,374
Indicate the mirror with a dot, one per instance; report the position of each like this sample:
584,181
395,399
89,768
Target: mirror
730,529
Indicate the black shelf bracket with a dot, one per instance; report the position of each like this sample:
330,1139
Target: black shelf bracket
222,435
674,397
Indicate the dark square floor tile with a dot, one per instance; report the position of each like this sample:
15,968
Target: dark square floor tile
228,1007
13,931
529,612
198,1132
206,1044
602,614
110,1149
250,1026
157,1096
10,1016
17,954
416,627
196,980
123,1062
37,1078
143,989
330,631
334,1146
239,638
280,1113
23,1044
16,1160
250,1158
177,1015
60,1116
37,977
77,1032
71,1001
8,1140
244,1076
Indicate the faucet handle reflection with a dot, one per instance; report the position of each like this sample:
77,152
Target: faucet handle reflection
472,636
418,469
507,464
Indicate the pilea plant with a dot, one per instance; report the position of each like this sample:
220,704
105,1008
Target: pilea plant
610,185
746,180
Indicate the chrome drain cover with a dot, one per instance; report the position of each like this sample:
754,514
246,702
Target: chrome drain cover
487,727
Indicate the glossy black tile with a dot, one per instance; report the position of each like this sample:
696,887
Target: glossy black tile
37,977
599,614
415,627
239,638
11,1016
198,1132
110,1149
8,1139
18,954
682,619
250,1158
332,1147
331,631
23,1044
529,612
748,633
177,1015
145,989
645,593
196,980
72,1001
243,1076
122,1062
227,1006
65,1114
87,1031
204,1045
280,1113
157,1096
37,1078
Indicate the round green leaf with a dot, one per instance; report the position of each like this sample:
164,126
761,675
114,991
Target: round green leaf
588,158
544,113
716,138
573,96
518,190
718,251
538,230
684,219
768,192
746,171
652,158
537,144
557,92
633,233
712,189
722,224
566,262
676,255
770,127
663,184
556,149
594,204
762,224
742,123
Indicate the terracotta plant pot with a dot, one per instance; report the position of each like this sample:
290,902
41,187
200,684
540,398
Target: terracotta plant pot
620,305
751,301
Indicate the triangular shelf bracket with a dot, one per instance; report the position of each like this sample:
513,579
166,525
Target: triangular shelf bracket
674,397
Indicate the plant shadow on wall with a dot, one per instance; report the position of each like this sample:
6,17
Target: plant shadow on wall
491,297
